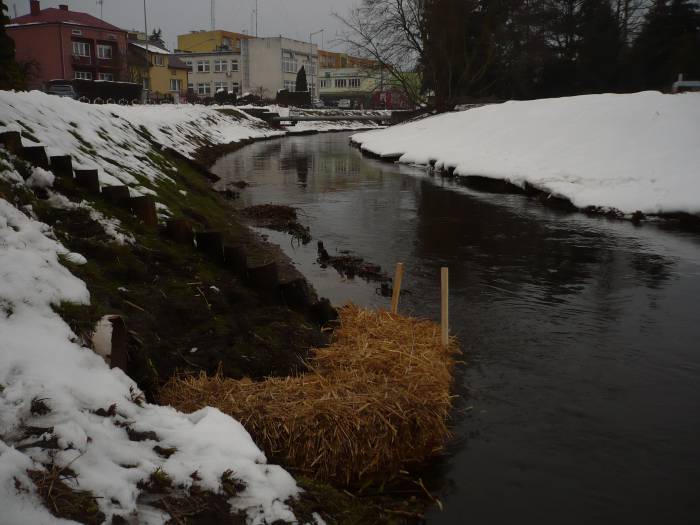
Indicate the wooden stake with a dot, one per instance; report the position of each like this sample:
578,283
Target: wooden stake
398,277
445,306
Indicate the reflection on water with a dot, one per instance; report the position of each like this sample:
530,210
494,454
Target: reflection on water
582,333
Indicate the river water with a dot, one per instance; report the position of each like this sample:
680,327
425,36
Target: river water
582,335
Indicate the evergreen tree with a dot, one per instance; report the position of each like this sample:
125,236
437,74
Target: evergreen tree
11,76
301,84
598,48
156,38
668,44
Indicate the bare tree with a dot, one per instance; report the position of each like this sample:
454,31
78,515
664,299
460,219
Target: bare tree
392,33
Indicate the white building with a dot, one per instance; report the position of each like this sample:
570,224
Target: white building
271,64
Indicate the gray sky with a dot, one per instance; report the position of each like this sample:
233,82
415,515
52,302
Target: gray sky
291,18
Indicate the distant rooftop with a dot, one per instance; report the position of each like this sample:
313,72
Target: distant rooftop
60,15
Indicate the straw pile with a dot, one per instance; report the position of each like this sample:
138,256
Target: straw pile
374,402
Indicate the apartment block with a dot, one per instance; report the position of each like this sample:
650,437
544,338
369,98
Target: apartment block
211,71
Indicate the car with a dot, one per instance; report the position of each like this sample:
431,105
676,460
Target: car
62,90
344,103
318,104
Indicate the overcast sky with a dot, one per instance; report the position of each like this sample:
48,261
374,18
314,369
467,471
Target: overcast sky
291,18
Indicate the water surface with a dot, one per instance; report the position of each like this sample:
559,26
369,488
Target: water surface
582,394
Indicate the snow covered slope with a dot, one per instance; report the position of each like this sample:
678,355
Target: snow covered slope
112,137
629,152
55,399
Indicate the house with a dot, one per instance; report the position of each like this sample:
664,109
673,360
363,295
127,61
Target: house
682,85
68,45
163,75
261,66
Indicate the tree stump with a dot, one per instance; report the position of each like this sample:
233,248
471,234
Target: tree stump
117,194
180,231
211,243
236,259
264,277
36,156
62,166
144,208
88,179
12,140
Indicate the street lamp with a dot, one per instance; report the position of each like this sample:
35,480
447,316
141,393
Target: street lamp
311,58
148,60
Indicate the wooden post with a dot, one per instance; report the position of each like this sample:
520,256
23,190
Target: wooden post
144,208
398,277
444,305
88,179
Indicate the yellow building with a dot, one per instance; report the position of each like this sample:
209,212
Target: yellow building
163,75
208,41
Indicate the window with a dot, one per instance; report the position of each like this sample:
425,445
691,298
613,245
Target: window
204,88
189,64
236,88
324,83
190,86
290,85
104,52
175,84
158,60
203,66
220,85
234,65
340,83
354,82
220,66
81,49
83,75
145,83
289,63
106,76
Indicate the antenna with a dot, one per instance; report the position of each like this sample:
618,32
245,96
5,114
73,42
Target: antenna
213,15
256,18
14,6
101,3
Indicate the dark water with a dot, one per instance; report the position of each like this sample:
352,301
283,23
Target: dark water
582,334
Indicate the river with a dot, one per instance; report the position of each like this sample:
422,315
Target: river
582,334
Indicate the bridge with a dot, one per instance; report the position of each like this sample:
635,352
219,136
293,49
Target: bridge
385,117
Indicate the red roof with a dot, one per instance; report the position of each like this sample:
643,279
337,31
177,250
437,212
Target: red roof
57,16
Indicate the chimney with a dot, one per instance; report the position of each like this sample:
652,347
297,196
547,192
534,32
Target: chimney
34,7
63,7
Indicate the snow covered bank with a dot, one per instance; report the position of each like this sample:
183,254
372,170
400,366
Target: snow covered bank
636,152
62,406
322,126
115,139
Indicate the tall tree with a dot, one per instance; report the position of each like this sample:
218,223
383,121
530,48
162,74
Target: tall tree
11,74
156,37
301,84
599,47
668,45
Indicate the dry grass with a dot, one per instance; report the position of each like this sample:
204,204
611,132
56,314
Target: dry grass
374,402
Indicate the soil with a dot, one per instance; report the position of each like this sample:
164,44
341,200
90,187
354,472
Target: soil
279,218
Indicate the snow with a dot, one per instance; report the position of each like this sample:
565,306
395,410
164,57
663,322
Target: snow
114,139
40,358
632,152
152,48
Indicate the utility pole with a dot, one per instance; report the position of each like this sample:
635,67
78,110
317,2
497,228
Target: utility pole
213,15
148,59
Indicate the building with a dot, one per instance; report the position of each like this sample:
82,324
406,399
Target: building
67,44
211,71
261,66
163,75
207,41
344,77
271,64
